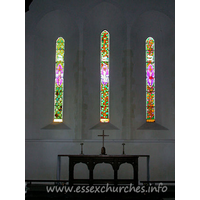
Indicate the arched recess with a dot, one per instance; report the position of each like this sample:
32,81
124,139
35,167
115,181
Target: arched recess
160,27
104,16
81,171
125,171
103,171
53,25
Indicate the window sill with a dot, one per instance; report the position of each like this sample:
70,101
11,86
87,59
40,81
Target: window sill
104,126
56,126
152,126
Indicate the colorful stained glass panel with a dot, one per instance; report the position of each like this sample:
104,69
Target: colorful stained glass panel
59,80
104,114
150,99
150,56
150,44
150,73
59,55
104,73
150,80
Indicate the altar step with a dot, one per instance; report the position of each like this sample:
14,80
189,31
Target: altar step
83,181
99,181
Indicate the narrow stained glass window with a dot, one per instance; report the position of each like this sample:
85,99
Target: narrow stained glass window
59,80
104,71
150,80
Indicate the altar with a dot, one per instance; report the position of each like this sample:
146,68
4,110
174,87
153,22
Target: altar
91,160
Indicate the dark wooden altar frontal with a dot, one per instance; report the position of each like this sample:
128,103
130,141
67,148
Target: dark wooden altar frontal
92,160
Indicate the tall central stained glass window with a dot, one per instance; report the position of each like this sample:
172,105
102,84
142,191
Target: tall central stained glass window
104,71
59,80
150,80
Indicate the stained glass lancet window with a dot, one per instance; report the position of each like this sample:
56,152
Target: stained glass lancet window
59,80
104,70
150,80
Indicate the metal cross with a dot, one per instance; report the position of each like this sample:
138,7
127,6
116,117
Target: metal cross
103,137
